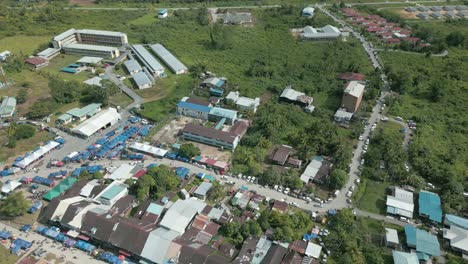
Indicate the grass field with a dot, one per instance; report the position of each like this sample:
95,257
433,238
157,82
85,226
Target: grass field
6,257
61,61
120,99
23,44
374,198
22,146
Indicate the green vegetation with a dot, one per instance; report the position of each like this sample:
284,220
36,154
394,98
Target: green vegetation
21,146
188,150
22,44
14,205
216,193
338,179
7,257
374,197
433,94
155,183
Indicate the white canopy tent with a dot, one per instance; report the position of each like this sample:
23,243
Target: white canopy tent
10,186
158,152
41,151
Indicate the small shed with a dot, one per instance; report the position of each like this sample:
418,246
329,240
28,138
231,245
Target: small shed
163,13
391,238
202,190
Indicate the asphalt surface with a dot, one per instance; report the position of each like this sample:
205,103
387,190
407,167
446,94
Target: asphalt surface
137,100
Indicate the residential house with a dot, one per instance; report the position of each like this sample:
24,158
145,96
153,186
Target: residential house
404,258
342,116
281,154
352,96
213,82
37,62
243,103
202,190
425,244
261,249
275,254
327,32
308,12
351,76
400,203
289,95
280,206
456,231
317,170
430,207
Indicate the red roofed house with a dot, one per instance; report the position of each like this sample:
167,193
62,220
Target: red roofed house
386,35
281,154
392,41
280,206
37,62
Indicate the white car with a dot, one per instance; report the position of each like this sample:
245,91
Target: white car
286,191
365,147
361,138
348,194
253,179
294,204
248,178
280,189
144,121
358,181
275,187
362,162
352,188
367,141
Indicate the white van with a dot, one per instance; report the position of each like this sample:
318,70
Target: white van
336,193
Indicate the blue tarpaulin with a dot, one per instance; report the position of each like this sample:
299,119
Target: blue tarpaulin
5,234
80,244
182,172
110,258
61,237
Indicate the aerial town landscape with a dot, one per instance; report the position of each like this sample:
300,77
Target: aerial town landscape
233,131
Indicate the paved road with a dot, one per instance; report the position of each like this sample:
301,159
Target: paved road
137,100
69,255
444,53
384,218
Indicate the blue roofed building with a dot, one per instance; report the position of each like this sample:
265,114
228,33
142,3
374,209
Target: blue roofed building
426,244
454,220
218,113
429,206
193,110
404,258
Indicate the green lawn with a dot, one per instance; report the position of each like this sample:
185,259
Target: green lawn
6,256
61,61
23,145
120,99
374,198
23,44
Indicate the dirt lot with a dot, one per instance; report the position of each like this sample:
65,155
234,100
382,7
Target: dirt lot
168,134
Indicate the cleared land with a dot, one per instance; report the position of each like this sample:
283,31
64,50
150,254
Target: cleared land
374,198
23,44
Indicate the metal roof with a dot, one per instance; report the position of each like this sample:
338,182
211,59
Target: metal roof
454,220
96,80
181,213
429,204
89,47
354,88
93,124
203,188
147,58
47,52
8,106
89,59
112,192
155,209
87,110
158,243
312,169
313,250
168,58
404,258
343,114
122,173
223,112
400,204
458,237
290,93
132,66
391,235
423,241
101,32
65,34
141,79
196,107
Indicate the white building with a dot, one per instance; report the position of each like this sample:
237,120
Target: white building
112,193
141,80
400,203
148,60
4,55
170,60
313,250
148,149
327,32
49,53
10,186
122,173
181,213
132,66
308,12
391,237
243,103
96,80
90,36
103,119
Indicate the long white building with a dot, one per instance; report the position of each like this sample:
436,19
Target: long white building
103,119
170,60
148,60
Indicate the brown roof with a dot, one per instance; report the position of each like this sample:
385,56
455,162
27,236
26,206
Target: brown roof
280,206
324,170
200,222
28,260
299,246
292,258
228,249
211,228
212,133
275,254
295,162
216,259
197,101
101,225
305,99
240,127
131,234
351,76
36,61
282,154
247,251
194,254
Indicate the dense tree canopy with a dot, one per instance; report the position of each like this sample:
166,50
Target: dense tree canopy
14,205
189,150
155,183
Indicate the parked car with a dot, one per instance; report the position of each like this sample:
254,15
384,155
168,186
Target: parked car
349,193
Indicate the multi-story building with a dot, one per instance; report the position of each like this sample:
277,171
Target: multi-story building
210,136
352,96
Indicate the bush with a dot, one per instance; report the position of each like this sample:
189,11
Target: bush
24,131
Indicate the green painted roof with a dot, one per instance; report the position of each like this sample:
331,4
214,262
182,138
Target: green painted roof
65,117
60,188
90,109
112,192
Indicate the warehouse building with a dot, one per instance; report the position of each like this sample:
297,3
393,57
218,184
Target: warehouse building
148,60
170,60
210,136
102,120
49,53
327,32
141,80
132,66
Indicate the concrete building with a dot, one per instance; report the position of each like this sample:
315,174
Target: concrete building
90,36
218,113
89,60
342,116
102,120
8,106
91,50
210,136
170,60
193,110
236,18
153,66
400,203
49,53
112,193
352,96
317,170
289,95
327,32
243,103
